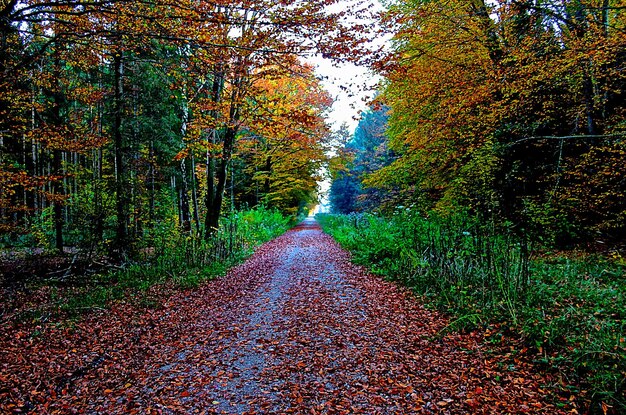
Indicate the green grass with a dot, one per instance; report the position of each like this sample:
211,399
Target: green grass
570,310
182,260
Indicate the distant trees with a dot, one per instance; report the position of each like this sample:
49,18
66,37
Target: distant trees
366,151
285,144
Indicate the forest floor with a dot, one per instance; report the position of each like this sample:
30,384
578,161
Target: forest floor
296,329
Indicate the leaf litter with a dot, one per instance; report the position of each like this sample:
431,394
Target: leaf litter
296,329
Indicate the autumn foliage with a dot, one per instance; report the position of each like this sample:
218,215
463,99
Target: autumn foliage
115,115
496,187
512,109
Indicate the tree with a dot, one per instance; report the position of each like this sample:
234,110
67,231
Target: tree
285,139
252,41
368,153
492,105
110,110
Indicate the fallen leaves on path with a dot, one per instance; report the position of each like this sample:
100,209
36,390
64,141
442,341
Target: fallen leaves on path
297,329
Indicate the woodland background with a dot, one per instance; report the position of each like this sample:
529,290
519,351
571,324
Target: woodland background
155,138
118,118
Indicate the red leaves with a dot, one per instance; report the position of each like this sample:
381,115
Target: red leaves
295,330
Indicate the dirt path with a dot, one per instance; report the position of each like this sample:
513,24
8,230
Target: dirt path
296,329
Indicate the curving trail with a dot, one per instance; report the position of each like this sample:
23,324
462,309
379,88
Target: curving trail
297,329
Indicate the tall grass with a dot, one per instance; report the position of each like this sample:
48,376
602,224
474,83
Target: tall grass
191,259
185,260
569,310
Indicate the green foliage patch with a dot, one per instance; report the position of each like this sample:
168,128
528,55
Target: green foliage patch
186,261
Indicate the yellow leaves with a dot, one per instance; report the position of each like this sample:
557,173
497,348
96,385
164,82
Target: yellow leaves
290,106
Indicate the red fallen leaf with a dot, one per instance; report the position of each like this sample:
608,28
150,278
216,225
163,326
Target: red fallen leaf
385,329
473,403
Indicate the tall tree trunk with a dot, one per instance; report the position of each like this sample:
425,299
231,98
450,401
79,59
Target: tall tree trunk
268,170
58,204
121,232
492,43
194,195
184,194
214,208
589,98
97,174
211,221
57,159
213,205
98,225
151,203
184,198
581,28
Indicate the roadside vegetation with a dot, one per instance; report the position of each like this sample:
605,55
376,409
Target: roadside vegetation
489,176
169,261
567,307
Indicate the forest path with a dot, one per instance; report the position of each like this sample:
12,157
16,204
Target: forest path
296,329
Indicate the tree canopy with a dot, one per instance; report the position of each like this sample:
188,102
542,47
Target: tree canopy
511,110
115,115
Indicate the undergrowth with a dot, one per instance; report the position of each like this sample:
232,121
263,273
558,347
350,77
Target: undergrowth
569,309
184,261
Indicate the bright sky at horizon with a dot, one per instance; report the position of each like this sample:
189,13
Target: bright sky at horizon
351,87
358,85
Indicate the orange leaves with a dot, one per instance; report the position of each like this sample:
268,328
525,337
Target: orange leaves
297,329
65,137
465,79
10,179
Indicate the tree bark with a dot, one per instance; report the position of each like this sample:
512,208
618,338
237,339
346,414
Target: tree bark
57,159
58,205
213,206
211,221
152,174
184,193
121,234
194,195
216,182
184,198
268,170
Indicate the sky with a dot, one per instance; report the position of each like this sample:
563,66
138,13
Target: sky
358,82
348,103
351,87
